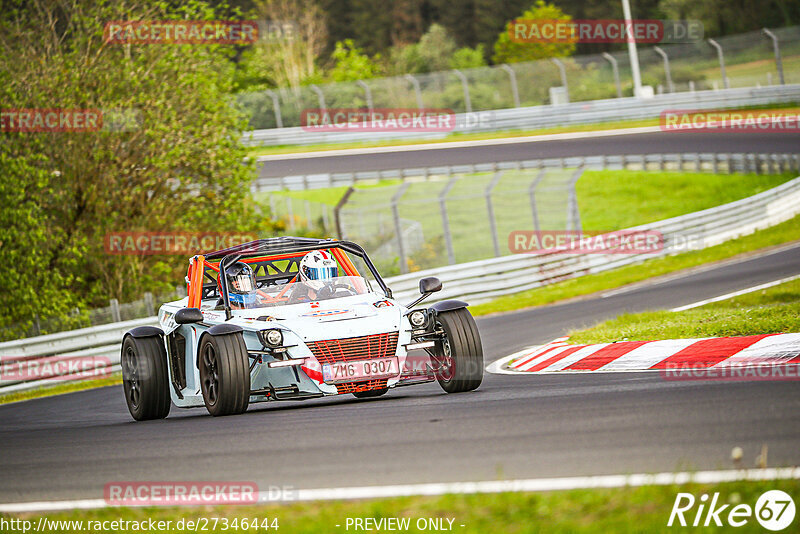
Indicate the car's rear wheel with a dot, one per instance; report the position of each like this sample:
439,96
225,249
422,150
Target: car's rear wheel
144,377
459,355
224,374
371,393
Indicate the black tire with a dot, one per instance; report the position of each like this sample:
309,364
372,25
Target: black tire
224,374
145,380
459,354
371,393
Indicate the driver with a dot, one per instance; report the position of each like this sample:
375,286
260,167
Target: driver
316,269
241,286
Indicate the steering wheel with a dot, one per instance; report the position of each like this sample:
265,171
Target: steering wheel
329,291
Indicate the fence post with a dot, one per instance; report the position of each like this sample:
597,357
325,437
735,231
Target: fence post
563,70
398,229
513,78
490,211
721,57
276,108
658,50
308,213
532,195
417,90
337,211
272,207
320,96
448,237
574,222
611,59
777,49
367,93
465,85
115,316
290,213
149,305
326,224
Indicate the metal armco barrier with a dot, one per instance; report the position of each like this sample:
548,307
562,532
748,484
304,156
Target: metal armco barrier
718,163
529,118
474,281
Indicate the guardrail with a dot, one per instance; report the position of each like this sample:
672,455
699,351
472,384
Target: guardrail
474,281
528,118
714,162
481,280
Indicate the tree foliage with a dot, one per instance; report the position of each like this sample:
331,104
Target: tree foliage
176,163
508,51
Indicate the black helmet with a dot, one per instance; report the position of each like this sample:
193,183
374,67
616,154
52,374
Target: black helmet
241,279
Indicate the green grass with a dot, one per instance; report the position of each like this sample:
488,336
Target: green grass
608,200
618,510
612,200
768,311
585,285
60,389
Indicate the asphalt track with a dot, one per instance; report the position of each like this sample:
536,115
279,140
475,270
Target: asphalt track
69,447
639,143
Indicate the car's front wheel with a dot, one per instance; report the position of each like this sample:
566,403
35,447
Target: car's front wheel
224,374
459,354
144,377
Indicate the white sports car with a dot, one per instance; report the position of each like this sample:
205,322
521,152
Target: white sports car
292,318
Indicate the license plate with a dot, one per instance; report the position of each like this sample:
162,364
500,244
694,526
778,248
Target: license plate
360,370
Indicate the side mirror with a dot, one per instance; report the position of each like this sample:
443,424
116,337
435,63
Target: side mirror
430,284
188,316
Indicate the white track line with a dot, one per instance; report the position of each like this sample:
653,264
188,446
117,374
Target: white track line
459,144
498,486
736,293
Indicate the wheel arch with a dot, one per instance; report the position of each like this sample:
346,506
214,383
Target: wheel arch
216,330
447,305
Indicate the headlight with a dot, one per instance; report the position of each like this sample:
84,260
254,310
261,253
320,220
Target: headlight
271,338
417,318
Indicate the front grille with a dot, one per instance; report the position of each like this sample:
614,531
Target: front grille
356,387
355,348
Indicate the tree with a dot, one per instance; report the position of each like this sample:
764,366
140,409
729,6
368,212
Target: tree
435,51
351,63
508,51
288,60
177,164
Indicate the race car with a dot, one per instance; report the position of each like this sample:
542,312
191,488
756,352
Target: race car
290,318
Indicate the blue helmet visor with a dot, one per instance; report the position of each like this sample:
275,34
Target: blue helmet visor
320,273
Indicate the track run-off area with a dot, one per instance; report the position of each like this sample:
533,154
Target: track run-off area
526,426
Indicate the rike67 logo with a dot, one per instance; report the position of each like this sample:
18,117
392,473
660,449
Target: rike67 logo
774,510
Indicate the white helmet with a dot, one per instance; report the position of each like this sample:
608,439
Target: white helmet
316,267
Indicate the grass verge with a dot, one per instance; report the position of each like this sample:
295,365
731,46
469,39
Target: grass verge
59,389
640,509
768,311
785,232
